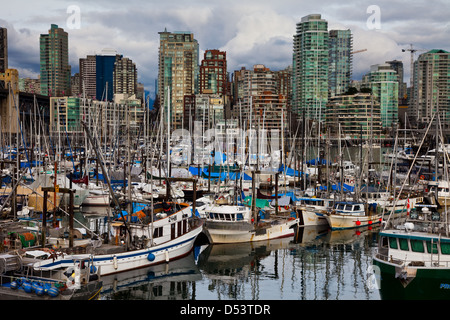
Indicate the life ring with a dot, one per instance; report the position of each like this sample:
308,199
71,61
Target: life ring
268,179
286,207
422,177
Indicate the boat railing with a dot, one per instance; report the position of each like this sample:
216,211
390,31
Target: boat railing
415,263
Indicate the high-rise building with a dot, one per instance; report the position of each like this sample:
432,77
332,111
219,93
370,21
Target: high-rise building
3,49
383,81
75,85
310,67
125,77
54,62
397,65
88,77
355,115
259,98
340,61
104,74
178,72
213,73
432,86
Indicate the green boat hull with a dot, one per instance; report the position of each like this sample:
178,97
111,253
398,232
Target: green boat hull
428,283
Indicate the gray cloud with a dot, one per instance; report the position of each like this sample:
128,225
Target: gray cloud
251,31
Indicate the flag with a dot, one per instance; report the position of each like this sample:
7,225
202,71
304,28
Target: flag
408,208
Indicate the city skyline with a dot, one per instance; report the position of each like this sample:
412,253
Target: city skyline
241,29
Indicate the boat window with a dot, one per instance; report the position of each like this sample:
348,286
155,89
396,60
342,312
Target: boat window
341,206
240,216
227,217
403,244
158,232
431,246
384,242
393,243
417,246
356,208
445,248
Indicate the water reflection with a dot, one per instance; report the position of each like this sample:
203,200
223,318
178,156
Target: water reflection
161,282
317,264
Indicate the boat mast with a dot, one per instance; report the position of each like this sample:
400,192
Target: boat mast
105,174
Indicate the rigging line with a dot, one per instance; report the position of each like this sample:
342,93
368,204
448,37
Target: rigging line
410,168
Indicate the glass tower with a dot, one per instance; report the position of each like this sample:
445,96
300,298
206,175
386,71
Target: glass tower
178,72
104,69
54,62
432,86
384,84
340,61
310,67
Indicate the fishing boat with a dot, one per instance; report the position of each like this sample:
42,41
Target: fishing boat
413,257
237,223
169,236
350,214
312,211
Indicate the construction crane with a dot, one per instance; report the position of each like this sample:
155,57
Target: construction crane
358,51
412,50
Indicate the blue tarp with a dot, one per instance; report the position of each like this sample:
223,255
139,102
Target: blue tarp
337,187
290,172
316,161
218,175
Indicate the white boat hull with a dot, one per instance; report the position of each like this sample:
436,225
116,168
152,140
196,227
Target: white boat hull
218,232
129,260
96,200
313,218
348,221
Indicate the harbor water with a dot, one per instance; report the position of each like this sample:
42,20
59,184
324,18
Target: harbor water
317,264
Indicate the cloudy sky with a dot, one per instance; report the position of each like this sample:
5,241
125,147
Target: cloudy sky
250,31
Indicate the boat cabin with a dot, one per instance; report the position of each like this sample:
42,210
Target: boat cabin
318,203
349,208
228,214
